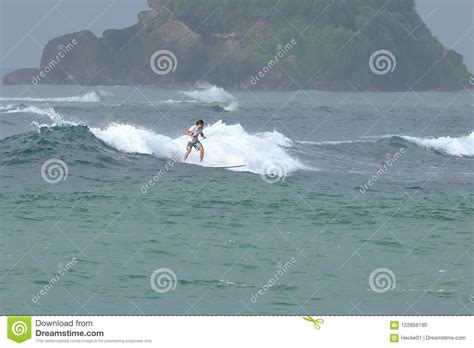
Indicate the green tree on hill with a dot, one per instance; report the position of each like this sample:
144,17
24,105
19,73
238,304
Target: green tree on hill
335,39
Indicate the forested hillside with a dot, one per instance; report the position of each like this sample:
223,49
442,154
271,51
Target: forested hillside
335,39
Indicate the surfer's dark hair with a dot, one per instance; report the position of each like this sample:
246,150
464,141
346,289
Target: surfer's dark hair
200,122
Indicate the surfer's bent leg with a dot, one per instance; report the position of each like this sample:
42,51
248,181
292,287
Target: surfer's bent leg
201,152
200,148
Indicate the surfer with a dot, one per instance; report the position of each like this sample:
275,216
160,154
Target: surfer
194,132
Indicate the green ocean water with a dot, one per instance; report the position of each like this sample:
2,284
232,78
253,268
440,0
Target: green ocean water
350,204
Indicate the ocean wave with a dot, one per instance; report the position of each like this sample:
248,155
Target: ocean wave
334,142
175,102
459,147
225,145
105,93
7,107
211,94
170,102
91,97
36,110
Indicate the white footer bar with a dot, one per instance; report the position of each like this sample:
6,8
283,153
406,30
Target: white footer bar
228,332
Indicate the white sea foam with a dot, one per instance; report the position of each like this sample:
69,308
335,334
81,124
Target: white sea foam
91,97
460,147
225,145
364,139
210,94
170,102
334,142
105,93
44,112
41,111
7,107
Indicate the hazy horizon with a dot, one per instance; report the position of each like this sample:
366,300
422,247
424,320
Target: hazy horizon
24,34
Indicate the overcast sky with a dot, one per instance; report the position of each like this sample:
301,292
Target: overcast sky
27,25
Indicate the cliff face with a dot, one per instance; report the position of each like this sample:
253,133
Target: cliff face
240,47
20,76
120,56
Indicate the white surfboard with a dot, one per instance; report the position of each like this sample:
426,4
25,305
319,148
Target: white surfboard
226,167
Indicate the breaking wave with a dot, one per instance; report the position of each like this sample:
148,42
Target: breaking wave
225,145
210,94
91,97
459,147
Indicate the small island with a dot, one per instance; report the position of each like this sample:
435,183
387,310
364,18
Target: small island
259,45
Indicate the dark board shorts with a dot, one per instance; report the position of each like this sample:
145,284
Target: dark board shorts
197,145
